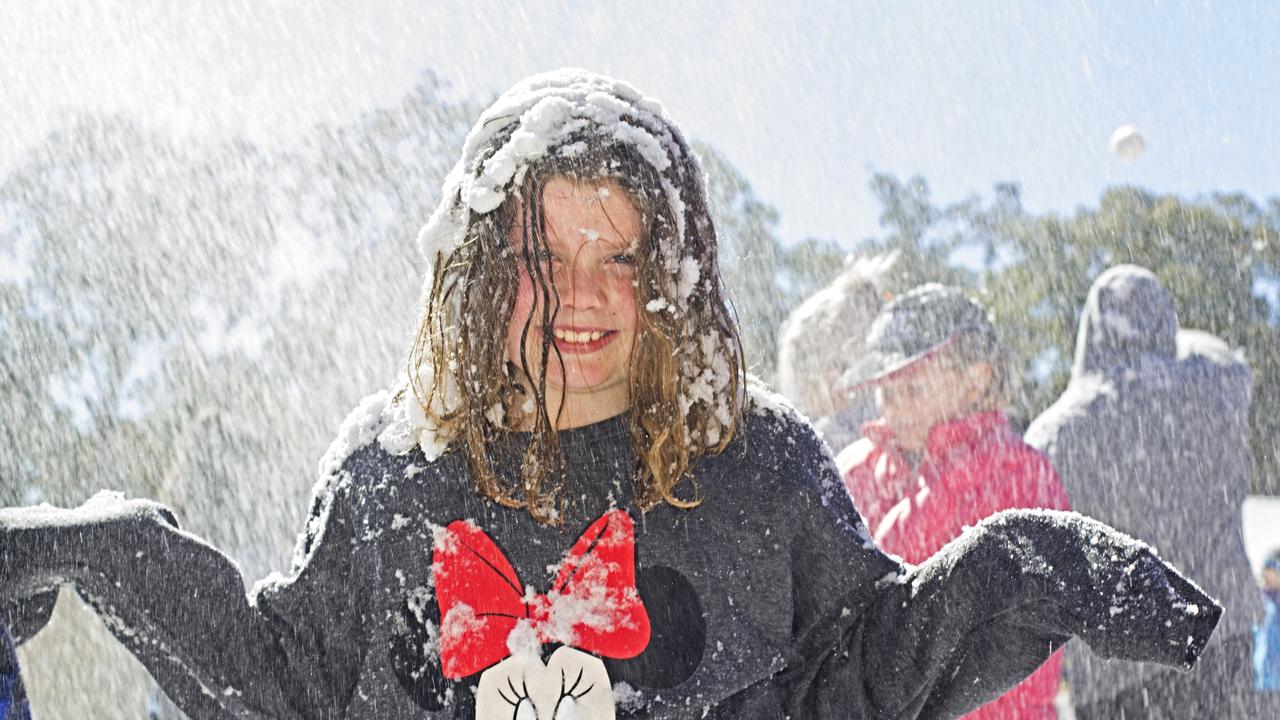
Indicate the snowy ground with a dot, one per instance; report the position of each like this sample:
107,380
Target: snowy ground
1261,528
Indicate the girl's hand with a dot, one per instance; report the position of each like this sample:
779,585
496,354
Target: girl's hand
42,546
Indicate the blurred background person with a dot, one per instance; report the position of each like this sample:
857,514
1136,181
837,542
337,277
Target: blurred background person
820,339
942,454
1151,436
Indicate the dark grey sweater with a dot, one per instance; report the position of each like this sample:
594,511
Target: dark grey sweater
765,601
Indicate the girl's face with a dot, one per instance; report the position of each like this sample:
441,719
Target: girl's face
592,233
912,403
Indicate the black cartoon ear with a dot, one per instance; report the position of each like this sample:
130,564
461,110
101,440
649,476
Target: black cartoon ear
417,667
677,632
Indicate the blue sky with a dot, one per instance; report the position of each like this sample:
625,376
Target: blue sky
806,100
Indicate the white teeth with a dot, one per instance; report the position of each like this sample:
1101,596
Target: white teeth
577,337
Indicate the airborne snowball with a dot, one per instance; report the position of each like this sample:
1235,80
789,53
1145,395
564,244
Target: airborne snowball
1127,143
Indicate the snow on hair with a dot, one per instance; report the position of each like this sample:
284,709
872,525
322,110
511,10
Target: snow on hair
687,366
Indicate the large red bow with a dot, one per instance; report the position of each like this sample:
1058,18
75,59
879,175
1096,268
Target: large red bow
592,605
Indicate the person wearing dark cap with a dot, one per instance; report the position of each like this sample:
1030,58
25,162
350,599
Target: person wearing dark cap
942,455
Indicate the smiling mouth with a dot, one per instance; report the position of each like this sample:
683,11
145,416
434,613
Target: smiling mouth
571,340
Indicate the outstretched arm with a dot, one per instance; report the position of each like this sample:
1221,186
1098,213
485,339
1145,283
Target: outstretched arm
26,616
13,696
986,610
180,607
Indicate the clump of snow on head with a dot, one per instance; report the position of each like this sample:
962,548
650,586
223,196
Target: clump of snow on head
687,280
535,118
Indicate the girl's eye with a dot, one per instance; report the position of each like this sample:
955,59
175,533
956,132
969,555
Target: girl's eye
624,259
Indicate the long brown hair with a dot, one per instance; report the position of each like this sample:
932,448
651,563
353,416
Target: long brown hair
687,374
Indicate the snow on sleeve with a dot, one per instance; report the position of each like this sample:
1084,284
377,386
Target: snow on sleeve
395,420
113,619
312,531
765,402
361,427
103,506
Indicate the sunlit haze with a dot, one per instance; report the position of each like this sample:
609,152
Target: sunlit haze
805,101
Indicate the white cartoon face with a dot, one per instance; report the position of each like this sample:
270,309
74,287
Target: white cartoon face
571,686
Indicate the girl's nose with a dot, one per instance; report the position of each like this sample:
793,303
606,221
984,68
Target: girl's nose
586,287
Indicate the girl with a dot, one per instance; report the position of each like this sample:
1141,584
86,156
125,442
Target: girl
942,456
572,506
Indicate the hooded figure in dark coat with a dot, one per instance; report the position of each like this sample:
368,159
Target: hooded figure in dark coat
1151,437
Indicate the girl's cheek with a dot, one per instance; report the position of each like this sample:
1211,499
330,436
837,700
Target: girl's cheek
520,312
624,289
524,295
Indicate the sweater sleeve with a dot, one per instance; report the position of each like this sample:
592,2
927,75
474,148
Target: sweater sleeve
986,610
831,549
179,604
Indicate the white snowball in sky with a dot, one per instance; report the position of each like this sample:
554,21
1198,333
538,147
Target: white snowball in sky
1127,143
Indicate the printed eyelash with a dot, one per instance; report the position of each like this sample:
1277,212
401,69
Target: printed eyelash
570,692
515,692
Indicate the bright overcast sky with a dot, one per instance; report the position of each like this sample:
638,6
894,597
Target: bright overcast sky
804,101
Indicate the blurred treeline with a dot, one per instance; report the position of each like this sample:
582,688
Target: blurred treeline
191,320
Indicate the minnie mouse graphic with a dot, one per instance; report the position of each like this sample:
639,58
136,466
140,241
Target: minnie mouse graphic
490,622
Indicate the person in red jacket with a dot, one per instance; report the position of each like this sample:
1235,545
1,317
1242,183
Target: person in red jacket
942,454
